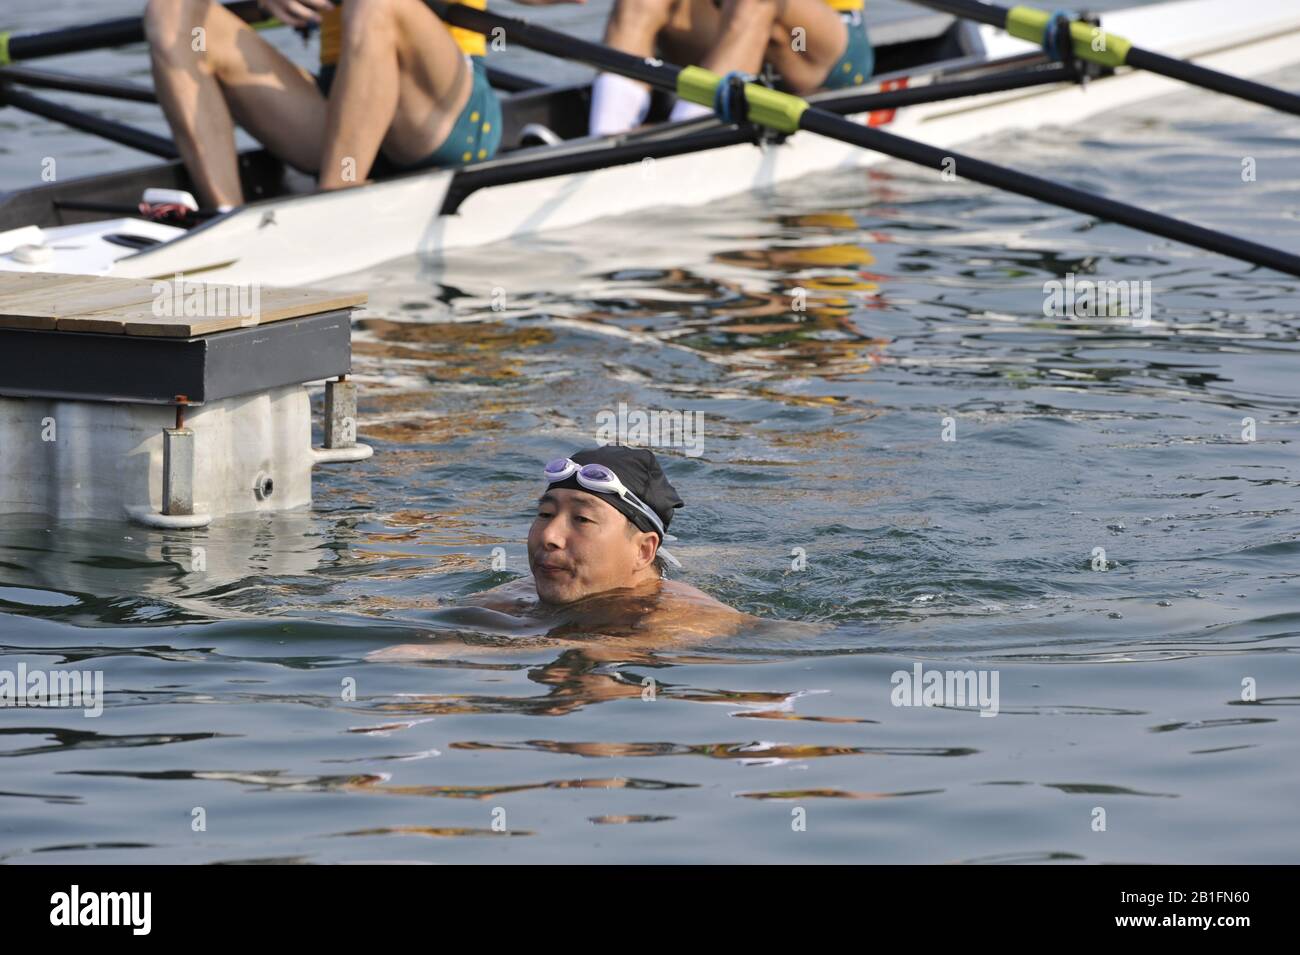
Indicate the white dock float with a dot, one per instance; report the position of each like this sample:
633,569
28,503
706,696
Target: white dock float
167,403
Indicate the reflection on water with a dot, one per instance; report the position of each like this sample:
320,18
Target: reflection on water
904,461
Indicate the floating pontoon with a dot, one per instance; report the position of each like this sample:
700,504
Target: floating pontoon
168,403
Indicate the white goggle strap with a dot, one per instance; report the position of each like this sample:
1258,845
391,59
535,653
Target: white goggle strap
644,508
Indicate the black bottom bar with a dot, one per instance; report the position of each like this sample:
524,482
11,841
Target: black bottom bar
955,89
72,83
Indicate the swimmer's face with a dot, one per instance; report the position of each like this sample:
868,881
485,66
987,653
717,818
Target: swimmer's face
579,545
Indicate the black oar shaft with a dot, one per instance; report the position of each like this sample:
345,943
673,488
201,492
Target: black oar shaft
969,10
1225,83
544,40
90,36
104,128
96,36
1054,193
1018,22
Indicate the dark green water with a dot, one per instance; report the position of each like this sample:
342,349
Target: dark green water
1119,689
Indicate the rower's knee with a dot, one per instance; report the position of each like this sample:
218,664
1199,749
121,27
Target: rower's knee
366,18
168,24
177,30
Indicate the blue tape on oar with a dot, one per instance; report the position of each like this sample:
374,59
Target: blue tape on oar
722,101
1050,37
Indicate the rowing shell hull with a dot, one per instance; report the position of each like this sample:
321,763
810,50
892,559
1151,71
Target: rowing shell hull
312,238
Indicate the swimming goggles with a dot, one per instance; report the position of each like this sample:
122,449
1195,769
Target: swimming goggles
597,477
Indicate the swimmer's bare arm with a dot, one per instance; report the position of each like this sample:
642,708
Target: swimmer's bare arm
686,612
514,596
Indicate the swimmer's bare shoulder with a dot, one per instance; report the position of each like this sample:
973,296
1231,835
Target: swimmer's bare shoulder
686,611
680,609
681,589
514,597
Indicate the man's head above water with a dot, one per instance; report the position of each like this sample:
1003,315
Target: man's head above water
600,528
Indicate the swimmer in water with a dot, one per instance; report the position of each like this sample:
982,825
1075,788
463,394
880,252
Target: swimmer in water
598,565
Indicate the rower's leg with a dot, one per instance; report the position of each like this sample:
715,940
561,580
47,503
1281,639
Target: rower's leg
802,39
744,32
733,35
618,103
691,31
634,24
210,70
401,84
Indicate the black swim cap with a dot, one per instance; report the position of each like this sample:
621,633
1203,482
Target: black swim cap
640,473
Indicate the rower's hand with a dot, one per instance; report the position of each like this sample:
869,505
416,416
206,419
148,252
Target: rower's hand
297,13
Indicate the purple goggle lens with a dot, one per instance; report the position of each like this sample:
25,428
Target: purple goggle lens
560,468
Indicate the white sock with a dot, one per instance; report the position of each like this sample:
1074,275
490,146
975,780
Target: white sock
685,109
617,104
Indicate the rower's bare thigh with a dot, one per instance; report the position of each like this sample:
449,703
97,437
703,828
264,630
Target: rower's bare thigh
267,94
433,78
